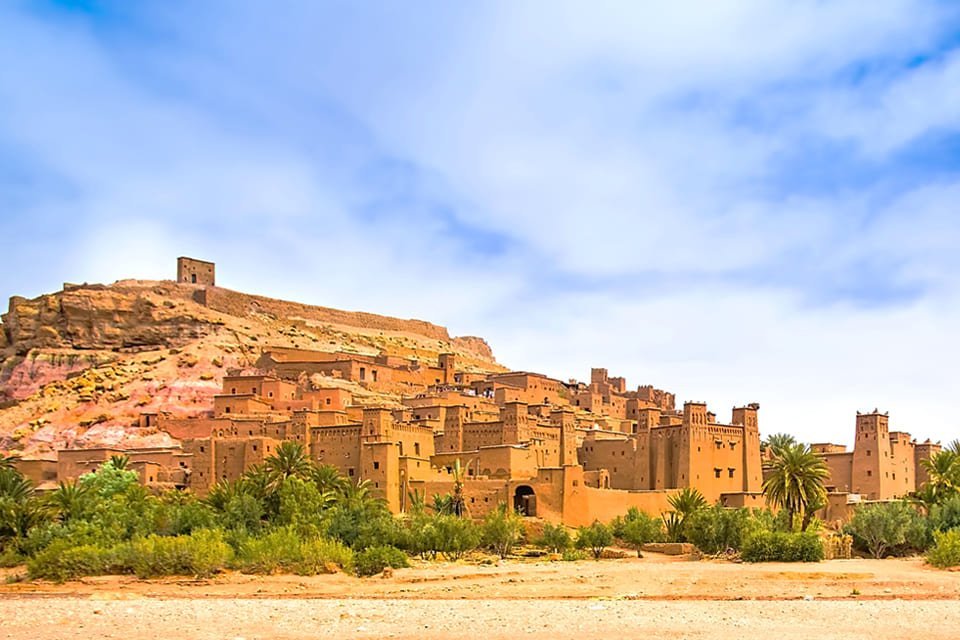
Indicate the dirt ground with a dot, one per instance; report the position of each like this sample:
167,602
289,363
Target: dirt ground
656,596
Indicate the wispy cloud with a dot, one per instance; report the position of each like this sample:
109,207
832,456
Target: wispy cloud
741,201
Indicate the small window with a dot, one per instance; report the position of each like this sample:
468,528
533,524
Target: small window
869,473
254,447
868,453
328,400
376,465
416,448
226,410
730,473
201,449
350,472
716,472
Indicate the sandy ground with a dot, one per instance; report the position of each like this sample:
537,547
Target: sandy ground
657,596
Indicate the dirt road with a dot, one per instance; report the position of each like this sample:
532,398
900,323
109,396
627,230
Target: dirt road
653,597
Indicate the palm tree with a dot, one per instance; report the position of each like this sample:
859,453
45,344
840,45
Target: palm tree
359,497
943,474
9,462
70,500
777,442
289,460
458,504
685,502
327,478
120,462
954,447
796,481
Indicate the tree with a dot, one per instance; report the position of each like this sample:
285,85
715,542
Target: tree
685,503
597,537
776,442
882,526
502,529
120,462
555,537
943,471
9,462
290,460
796,481
71,500
110,480
639,529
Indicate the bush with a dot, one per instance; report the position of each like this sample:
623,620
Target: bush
946,515
716,529
283,550
202,554
573,555
779,546
10,558
61,561
596,538
883,527
501,531
456,536
321,555
278,550
945,551
375,559
638,528
555,537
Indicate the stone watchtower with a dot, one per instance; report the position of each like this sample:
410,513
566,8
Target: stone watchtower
192,271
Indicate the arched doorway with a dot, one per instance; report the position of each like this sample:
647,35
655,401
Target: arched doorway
525,501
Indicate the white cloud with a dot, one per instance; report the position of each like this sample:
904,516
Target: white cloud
627,161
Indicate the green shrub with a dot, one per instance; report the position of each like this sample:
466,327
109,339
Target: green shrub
449,535
555,537
501,531
946,515
573,555
884,527
282,550
779,546
61,561
278,550
716,529
638,529
10,558
456,536
319,555
945,551
202,553
596,538
373,560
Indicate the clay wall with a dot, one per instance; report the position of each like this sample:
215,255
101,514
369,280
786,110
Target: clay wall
239,404
38,471
338,446
903,478
922,452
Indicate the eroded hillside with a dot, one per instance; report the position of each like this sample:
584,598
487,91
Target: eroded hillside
79,366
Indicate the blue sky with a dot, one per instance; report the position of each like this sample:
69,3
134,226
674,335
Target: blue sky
738,201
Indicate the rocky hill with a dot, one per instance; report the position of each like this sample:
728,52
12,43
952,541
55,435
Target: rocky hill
77,367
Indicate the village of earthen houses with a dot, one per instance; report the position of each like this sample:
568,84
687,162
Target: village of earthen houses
409,420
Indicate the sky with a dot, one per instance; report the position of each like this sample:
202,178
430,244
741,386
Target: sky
738,201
